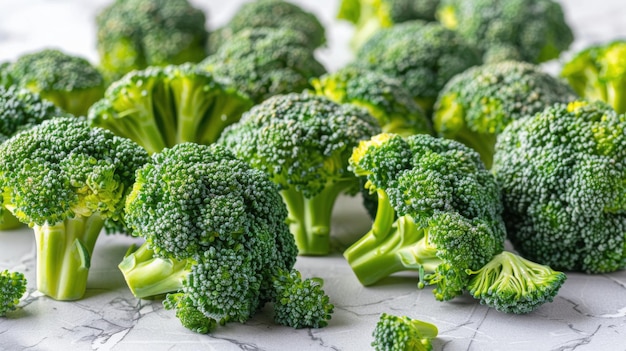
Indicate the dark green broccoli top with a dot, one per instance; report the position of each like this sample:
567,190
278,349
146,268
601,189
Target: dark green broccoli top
422,55
477,104
272,14
263,62
134,34
563,177
528,30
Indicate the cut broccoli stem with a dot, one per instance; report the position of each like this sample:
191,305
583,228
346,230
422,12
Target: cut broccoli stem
615,95
310,218
392,245
64,255
149,276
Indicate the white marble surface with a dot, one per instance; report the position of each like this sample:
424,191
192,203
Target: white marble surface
588,314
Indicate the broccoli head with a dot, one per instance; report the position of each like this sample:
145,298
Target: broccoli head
369,16
383,96
598,72
160,107
263,62
12,288
215,234
527,30
423,56
303,143
20,109
270,14
439,214
402,333
476,105
70,82
135,34
563,178
64,179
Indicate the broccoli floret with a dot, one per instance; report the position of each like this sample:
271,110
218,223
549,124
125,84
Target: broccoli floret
12,288
528,30
563,178
216,236
369,16
270,14
160,107
303,143
476,105
20,109
439,214
513,284
263,62
135,34
70,82
423,56
301,303
598,72
383,96
64,179
402,333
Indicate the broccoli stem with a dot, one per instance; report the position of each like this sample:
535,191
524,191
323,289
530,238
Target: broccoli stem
615,95
309,219
149,276
483,143
392,245
8,220
64,255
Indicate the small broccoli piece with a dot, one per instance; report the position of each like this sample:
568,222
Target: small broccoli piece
439,214
12,288
301,303
20,109
160,107
135,34
598,72
64,179
402,333
384,97
216,236
528,30
303,143
70,82
563,179
423,56
513,284
476,105
369,16
263,62
270,14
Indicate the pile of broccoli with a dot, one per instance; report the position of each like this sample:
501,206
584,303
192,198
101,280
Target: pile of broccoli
217,242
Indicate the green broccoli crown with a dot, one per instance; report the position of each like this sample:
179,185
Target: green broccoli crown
598,72
301,303
439,211
563,179
402,333
303,143
190,317
513,284
70,82
12,288
263,62
529,30
63,168
477,104
135,34
271,14
383,96
371,15
422,56
160,107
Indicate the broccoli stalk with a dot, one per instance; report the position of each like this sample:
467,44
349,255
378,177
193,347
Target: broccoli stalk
403,333
12,288
64,179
